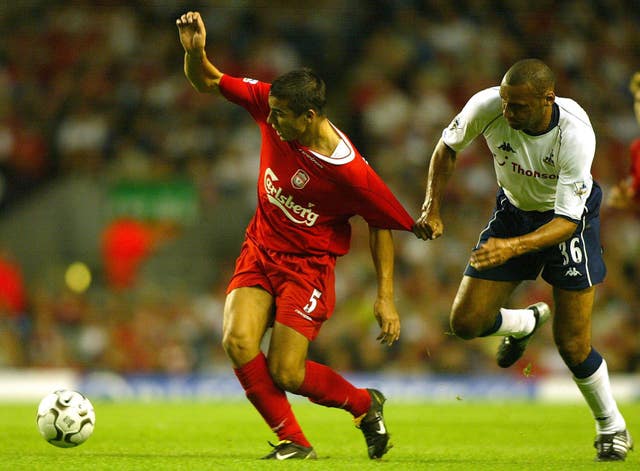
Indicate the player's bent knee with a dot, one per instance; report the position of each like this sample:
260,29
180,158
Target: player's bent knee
287,379
240,348
463,328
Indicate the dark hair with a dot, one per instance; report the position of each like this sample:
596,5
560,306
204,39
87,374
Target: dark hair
533,72
302,89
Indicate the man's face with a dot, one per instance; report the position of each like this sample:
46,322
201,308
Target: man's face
284,121
523,109
636,105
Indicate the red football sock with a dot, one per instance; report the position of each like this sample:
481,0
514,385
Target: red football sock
270,401
324,386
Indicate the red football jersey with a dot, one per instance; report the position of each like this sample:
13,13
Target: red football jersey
305,199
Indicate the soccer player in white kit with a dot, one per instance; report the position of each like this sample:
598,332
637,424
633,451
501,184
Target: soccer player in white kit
546,221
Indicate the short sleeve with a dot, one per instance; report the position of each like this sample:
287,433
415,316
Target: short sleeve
480,111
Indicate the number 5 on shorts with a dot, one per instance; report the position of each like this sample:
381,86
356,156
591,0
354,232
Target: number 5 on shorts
313,301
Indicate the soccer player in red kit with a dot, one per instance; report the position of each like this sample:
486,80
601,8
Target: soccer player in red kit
626,194
311,182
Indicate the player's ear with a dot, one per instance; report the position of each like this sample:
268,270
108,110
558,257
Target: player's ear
550,97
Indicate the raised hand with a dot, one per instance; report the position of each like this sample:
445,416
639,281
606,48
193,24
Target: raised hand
193,34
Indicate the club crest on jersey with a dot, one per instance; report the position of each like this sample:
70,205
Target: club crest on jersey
293,211
300,179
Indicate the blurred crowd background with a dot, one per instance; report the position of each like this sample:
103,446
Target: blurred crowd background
124,193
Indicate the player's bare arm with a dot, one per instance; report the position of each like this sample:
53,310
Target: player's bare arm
496,251
429,225
202,74
384,309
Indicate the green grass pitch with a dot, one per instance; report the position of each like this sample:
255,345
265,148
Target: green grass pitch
461,435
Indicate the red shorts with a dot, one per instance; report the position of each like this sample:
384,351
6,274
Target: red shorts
303,287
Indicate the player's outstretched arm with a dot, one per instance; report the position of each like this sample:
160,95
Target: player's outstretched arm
202,74
384,309
429,225
494,252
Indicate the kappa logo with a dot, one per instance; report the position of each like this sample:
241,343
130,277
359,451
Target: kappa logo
572,272
455,124
505,146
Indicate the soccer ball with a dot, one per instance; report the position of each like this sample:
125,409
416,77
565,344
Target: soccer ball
65,418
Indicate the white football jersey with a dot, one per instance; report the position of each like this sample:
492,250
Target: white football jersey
537,173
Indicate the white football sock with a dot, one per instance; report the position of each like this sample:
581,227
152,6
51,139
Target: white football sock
516,322
596,390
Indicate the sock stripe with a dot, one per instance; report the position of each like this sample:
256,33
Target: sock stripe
495,327
589,366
